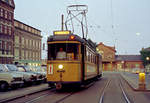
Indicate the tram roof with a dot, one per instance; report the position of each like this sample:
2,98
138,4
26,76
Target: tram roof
53,38
65,38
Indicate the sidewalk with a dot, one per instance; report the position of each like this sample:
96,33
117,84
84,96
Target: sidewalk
21,92
133,80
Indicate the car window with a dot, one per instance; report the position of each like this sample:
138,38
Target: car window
11,67
1,68
27,68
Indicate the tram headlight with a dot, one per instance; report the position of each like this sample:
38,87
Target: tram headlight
60,66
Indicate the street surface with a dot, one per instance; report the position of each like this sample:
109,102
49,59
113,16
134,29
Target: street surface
108,88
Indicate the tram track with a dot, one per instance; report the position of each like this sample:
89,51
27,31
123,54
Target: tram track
107,92
23,96
123,92
60,97
41,94
103,92
37,97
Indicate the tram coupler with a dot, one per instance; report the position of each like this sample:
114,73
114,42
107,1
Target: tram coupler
58,86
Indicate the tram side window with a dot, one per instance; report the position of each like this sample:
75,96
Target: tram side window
63,51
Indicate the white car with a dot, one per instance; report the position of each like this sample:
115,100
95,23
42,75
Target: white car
9,79
28,77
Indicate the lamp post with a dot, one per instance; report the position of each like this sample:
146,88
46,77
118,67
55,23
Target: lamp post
123,66
147,58
147,61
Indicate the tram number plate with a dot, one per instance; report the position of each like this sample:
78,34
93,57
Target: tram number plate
50,69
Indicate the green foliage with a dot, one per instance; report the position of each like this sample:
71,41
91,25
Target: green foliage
144,54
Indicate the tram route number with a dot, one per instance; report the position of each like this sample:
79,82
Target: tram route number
50,69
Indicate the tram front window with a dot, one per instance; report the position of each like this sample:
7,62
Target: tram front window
63,51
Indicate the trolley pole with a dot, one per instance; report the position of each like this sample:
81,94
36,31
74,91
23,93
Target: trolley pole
62,22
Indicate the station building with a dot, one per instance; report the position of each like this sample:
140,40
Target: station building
113,62
27,44
6,31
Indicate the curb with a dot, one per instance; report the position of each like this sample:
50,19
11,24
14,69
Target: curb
21,96
134,89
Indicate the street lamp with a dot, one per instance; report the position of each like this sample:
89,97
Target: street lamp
123,65
147,58
147,61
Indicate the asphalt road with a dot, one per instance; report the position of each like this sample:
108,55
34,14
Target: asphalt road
92,94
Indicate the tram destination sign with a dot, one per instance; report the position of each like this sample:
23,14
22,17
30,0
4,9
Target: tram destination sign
62,32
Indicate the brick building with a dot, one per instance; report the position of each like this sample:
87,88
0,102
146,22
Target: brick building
6,30
27,40
113,62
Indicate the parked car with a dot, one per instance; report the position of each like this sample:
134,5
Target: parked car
28,77
22,69
41,70
32,69
9,79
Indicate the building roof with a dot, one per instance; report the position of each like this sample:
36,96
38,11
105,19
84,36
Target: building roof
128,57
109,47
26,25
9,2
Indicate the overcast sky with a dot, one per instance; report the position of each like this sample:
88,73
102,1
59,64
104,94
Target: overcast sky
130,19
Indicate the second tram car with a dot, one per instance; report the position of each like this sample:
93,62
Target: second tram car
71,60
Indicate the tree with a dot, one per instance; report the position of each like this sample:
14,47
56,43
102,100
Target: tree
145,56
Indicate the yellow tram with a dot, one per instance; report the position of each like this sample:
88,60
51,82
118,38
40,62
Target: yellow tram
71,60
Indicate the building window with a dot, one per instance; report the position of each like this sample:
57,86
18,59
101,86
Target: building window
40,45
21,26
0,44
26,42
26,54
9,30
12,16
1,28
9,15
6,43
37,44
22,53
16,52
32,30
1,12
30,43
9,47
26,28
22,41
29,54
5,14
39,55
29,29
5,29
36,55
17,39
